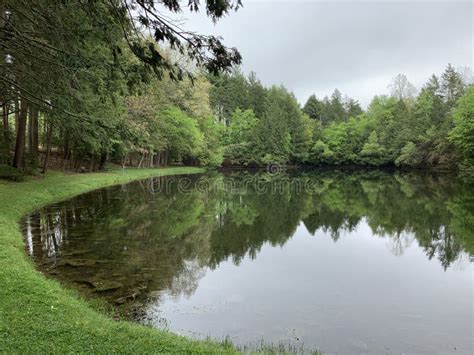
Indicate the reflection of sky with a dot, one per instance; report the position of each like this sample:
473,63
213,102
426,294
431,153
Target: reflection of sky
353,295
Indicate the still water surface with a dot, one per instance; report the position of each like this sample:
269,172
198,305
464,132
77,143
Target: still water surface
370,262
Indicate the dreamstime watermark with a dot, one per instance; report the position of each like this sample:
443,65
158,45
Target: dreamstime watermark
273,180
274,168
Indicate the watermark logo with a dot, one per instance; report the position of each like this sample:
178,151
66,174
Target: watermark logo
274,168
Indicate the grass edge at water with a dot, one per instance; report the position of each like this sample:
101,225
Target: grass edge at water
37,314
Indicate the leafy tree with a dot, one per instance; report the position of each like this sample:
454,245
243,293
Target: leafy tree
320,153
242,127
372,152
409,155
462,135
212,152
336,137
184,139
242,137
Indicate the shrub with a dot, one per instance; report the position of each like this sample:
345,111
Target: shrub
9,173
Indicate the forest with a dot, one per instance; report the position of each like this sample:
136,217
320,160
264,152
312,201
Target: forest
85,85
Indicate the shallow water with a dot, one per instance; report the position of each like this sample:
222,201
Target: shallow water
364,262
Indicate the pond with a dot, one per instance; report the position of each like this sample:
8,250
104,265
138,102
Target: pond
343,262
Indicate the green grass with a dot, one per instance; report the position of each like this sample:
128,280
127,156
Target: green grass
38,315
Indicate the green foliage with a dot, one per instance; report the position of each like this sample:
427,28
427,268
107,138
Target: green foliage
228,93
313,108
462,135
9,173
183,137
242,127
336,137
321,154
372,152
241,138
409,155
335,111
400,130
212,153
273,132
452,86
352,108
103,102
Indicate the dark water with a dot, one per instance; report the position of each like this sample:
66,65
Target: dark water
368,262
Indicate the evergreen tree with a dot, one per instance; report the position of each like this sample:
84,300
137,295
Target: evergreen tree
314,108
257,95
337,113
352,107
274,139
452,86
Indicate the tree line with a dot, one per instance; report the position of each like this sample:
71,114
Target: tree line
266,125
85,83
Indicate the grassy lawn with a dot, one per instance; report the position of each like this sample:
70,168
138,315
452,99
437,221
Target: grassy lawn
37,315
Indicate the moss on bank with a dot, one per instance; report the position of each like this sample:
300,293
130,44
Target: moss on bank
37,314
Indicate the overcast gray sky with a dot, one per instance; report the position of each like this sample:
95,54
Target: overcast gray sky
356,46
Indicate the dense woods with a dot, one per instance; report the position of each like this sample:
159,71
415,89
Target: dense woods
75,77
266,125
87,83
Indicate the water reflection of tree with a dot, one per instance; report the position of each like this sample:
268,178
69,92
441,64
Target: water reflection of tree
396,206
139,241
150,242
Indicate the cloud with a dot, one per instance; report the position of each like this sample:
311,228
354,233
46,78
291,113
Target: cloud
356,46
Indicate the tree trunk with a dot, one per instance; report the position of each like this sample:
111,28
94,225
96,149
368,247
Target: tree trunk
124,160
66,145
158,159
18,159
6,134
141,160
48,148
103,160
33,135
17,115
66,158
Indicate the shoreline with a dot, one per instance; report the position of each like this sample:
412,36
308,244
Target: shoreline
35,309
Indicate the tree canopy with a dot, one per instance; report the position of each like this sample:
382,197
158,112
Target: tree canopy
88,82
